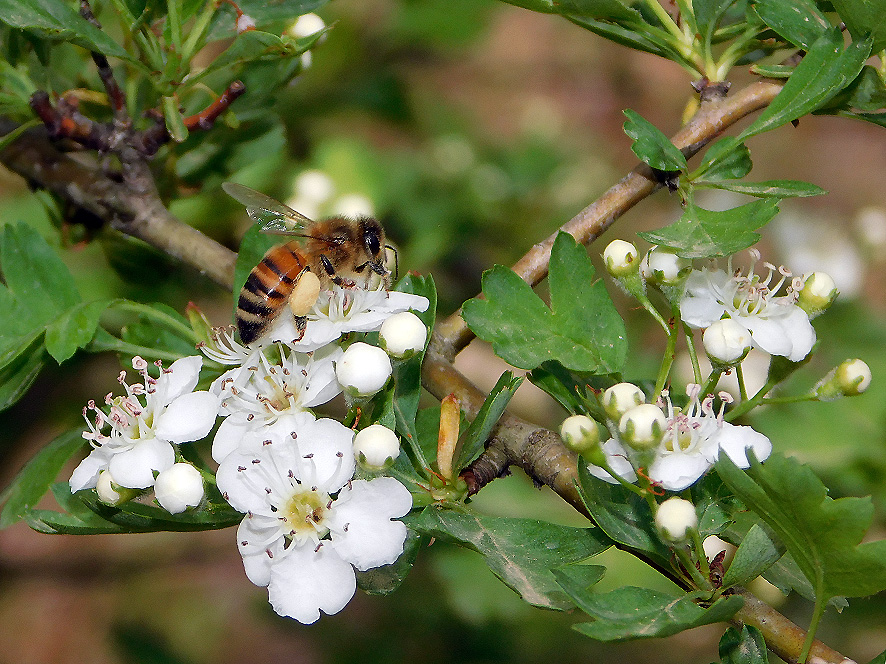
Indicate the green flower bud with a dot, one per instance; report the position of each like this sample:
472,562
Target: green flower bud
620,258
643,426
580,434
818,293
850,379
620,398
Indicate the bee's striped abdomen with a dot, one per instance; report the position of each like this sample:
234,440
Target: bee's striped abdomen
267,289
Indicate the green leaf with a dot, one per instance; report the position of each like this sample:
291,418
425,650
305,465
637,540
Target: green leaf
520,552
55,20
565,388
727,159
36,477
622,515
611,10
755,555
264,14
863,18
73,329
474,441
769,188
823,72
35,274
798,21
21,369
651,145
640,613
822,534
708,14
639,38
136,517
772,71
704,233
743,646
879,659
867,93
582,330
387,578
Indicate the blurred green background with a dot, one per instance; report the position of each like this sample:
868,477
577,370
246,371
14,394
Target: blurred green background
473,129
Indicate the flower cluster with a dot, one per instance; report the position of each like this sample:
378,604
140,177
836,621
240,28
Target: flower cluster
309,524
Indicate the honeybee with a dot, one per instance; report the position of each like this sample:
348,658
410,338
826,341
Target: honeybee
337,251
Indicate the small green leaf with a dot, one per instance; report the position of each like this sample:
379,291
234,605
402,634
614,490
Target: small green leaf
640,613
867,93
704,233
743,646
264,14
73,329
607,10
622,515
651,145
773,71
175,124
474,440
36,477
19,372
727,159
798,21
582,330
863,18
136,517
708,14
638,38
755,555
822,534
769,188
520,552
387,578
565,388
825,70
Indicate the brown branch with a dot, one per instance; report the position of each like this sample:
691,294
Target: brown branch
132,207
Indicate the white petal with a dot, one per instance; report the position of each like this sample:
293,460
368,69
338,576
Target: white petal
259,547
85,475
331,445
318,333
363,533
321,385
135,467
618,461
180,378
305,582
769,335
800,331
229,435
677,471
735,440
398,302
189,417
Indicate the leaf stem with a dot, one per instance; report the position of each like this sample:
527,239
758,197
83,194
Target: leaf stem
742,388
160,317
817,613
667,361
693,354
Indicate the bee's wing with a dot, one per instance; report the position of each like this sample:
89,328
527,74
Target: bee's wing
271,215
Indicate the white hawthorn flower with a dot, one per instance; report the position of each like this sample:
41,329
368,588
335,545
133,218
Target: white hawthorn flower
275,382
403,335
343,310
144,424
775,322
307,524
691,444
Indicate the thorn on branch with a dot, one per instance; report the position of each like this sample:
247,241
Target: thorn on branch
708,91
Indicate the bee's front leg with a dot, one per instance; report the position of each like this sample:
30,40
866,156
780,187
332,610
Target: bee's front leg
336,279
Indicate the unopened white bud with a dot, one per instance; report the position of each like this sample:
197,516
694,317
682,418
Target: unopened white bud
853,377
245,23
643,426
620,258
620,398
306,25
818,293
376,447
314,187
108,492
580,434
675,518
179,488
727,342
662,266
363,370
403,335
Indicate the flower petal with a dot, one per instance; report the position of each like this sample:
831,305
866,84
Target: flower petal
677,471
363,533
305,581
180,378
259,547
735,441
85,475
135,467
229,436
189,417
618,461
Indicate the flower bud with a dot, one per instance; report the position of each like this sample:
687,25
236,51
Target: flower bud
663,266
403,335
727,342
620,398
109,492
376,447
643,426
363,370
818,293
675,518
179,488
620,258
580,434
305,26
850,379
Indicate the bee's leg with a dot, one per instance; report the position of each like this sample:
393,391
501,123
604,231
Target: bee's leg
301,323
330,270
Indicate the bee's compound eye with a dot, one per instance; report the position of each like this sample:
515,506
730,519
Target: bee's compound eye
372,241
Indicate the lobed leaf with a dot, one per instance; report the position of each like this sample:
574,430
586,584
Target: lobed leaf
743,646
582,330
756,553
726,159
701,233
520,552
651,145
74,329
